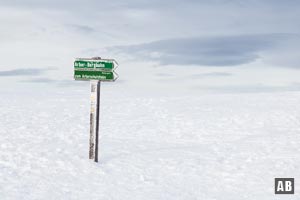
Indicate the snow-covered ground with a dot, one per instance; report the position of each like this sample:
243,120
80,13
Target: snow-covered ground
201,146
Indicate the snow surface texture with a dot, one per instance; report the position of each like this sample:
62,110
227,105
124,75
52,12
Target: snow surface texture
210,146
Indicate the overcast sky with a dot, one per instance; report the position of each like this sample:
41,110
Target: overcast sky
192,45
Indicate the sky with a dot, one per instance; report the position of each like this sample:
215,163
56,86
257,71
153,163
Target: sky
168,46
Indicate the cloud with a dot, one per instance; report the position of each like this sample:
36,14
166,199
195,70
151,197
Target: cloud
56,82
205,51
25,72
39,80
81,28
210,74
171,77
254,88
163,74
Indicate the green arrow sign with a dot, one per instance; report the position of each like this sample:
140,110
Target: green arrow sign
96,64
93,75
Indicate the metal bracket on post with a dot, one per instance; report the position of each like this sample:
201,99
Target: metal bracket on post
96,58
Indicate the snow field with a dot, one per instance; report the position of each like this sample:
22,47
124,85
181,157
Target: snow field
204,146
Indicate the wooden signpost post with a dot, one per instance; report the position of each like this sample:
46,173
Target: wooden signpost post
96,70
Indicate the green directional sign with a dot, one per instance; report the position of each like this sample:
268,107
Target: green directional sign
89,69
93,75
94,64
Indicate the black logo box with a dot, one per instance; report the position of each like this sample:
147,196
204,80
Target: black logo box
284,182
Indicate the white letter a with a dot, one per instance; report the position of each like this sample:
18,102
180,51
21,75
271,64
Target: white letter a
280,186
